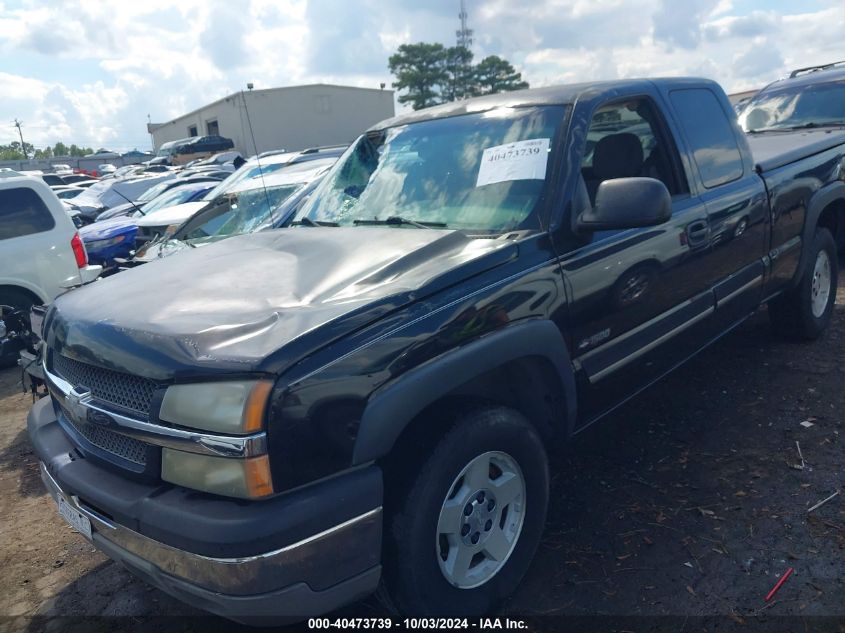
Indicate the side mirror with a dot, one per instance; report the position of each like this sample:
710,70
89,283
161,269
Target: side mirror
627,203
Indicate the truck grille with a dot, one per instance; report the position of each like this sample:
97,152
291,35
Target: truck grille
126,447
125,391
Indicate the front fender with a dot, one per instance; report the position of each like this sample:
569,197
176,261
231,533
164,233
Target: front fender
818,203
391,408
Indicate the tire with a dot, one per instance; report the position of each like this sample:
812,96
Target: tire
17,300
804,312
419,554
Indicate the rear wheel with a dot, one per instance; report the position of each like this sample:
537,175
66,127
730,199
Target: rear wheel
13,300
465,526
805,311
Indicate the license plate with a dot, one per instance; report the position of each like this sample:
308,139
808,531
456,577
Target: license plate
77,520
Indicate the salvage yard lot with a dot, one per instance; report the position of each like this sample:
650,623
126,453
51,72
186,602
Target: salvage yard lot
688,501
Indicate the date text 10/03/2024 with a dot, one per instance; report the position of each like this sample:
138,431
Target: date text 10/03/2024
481,624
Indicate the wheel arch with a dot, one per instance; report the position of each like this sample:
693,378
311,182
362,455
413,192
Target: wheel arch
525,366
29,292
826,209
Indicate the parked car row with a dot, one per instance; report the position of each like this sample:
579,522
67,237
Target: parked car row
350,373
244,201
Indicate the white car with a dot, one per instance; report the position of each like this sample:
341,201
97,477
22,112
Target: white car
41,254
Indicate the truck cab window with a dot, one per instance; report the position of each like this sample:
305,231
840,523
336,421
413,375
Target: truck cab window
710,134
625,140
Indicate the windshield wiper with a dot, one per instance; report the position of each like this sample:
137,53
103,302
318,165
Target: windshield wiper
811,125
306,221
815,124
397,220
137,208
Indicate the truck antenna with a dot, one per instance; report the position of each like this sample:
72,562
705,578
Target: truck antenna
255,148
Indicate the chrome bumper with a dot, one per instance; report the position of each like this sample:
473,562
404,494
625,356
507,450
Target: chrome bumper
353,545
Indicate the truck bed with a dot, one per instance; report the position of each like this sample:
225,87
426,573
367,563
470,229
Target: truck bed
776,149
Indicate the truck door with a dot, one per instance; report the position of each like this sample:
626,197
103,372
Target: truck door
640,299
735,197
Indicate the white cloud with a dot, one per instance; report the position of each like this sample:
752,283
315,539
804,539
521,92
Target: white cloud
90,72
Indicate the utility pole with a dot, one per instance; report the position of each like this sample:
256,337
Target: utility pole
17,124
464,41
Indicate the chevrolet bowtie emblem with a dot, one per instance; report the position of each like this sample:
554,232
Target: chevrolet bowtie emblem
76,400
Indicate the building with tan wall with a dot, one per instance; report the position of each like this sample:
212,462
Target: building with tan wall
291,118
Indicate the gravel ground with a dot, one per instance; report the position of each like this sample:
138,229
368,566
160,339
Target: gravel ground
679,512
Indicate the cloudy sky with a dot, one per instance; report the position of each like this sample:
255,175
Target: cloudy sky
89,72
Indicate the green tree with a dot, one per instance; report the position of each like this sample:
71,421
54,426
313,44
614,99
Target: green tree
460,80
60,149
75,150
14,151
494,74
420,71
47,152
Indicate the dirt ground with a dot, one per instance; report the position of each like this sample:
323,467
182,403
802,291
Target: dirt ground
681,511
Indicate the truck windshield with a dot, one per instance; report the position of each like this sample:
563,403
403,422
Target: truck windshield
483,172
796,107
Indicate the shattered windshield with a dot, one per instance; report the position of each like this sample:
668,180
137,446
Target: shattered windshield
800,106
484,171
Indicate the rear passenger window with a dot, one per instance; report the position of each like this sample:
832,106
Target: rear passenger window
710,135
22,212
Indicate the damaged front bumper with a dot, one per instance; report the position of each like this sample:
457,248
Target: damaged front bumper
274,581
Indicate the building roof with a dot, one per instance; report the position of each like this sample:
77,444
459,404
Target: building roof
151,127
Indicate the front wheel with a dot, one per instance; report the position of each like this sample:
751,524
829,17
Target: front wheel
805,311
465,529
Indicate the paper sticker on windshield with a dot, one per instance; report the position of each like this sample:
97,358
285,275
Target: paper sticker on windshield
523,160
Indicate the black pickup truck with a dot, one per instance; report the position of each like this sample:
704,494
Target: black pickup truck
281,423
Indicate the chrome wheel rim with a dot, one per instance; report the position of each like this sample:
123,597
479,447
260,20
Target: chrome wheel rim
480,520
821,287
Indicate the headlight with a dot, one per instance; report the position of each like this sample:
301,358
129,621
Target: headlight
233,407
97,245
243,478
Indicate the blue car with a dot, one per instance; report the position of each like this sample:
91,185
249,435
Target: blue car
114,238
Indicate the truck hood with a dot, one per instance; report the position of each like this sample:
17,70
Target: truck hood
777,148
171,215
288,292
